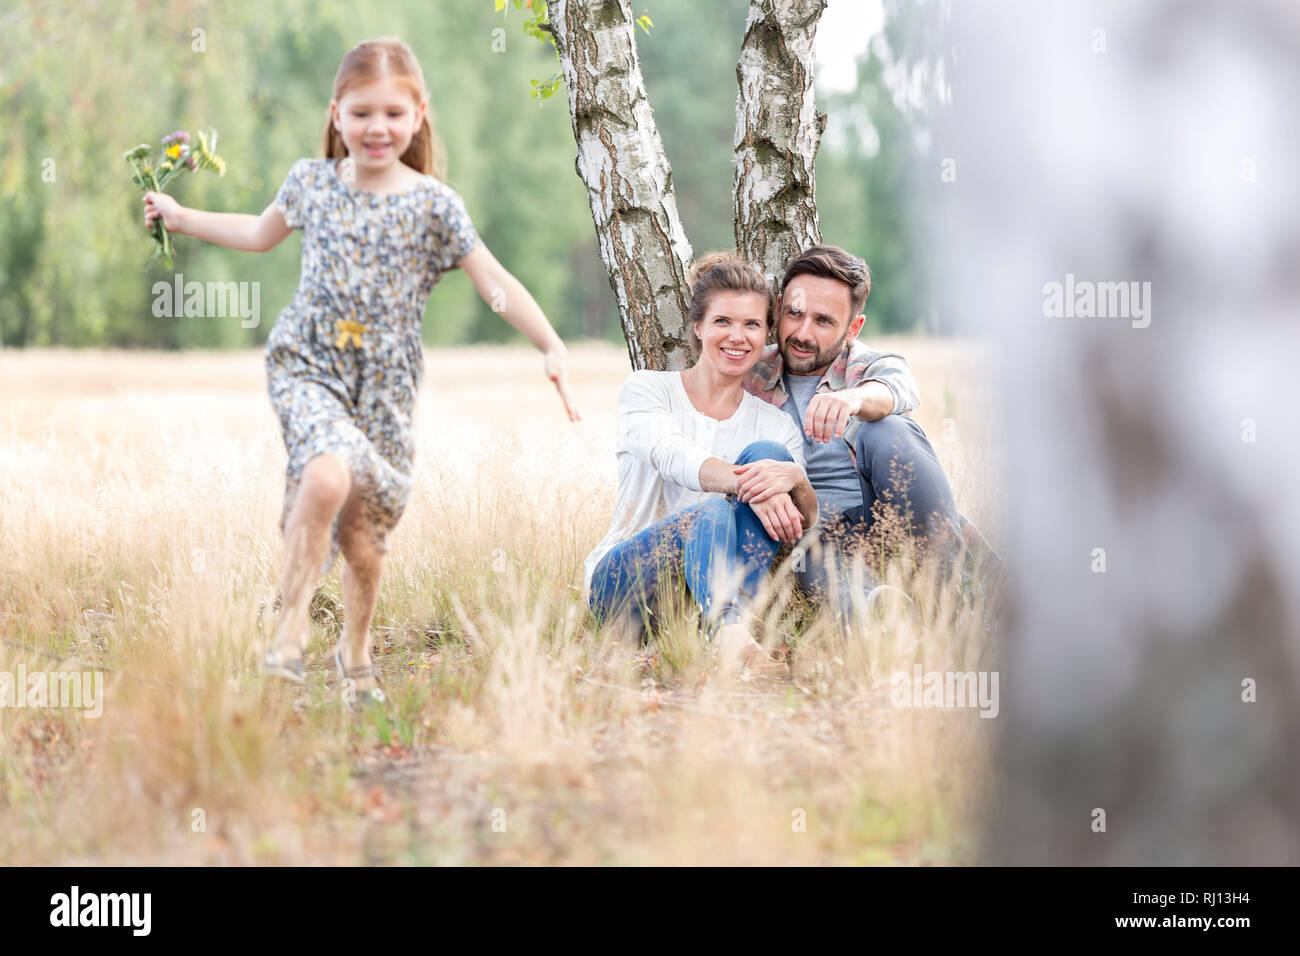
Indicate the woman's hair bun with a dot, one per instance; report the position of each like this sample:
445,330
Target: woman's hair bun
708,261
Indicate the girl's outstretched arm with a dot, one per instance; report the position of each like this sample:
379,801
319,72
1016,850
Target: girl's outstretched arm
234,230
507,295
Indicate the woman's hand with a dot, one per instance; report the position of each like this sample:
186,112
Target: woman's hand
780,517
760,480
160,204
556,359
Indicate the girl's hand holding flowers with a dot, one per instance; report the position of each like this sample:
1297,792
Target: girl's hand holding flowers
158,205
152,174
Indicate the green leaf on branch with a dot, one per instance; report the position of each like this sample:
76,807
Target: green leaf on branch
546,89
538,27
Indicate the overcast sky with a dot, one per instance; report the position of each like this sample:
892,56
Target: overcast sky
842,36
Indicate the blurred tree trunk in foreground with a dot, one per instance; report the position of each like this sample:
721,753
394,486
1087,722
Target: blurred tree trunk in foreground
1152,672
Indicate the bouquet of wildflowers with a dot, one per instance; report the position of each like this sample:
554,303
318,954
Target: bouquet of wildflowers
153,173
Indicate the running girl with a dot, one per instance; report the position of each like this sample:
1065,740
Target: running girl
345,360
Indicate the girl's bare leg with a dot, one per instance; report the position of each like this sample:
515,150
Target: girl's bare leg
322,492
362,569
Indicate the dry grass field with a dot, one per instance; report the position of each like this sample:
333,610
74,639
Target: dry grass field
139,495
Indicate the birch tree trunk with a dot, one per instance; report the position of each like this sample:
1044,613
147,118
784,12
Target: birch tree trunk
778,130
621,161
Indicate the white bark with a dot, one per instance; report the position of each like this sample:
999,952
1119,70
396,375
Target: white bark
778,130
621,161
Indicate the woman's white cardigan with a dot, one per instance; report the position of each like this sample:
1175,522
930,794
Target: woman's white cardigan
662,442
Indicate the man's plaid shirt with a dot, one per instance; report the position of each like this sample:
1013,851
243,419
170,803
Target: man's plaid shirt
856,364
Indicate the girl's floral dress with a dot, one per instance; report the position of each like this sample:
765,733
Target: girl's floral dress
344,361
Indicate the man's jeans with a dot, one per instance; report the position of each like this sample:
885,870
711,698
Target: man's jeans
898,467
719,546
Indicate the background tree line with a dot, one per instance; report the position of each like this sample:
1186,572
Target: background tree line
78,84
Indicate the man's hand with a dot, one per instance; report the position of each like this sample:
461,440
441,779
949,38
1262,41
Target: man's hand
780,517
760,480
829,412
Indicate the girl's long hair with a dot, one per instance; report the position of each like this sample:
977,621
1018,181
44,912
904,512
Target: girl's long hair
369,62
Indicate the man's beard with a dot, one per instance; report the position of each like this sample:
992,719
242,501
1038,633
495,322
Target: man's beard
803,366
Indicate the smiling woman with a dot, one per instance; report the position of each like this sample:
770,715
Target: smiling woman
686,441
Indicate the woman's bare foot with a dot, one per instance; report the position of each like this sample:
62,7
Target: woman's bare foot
739,652
762,664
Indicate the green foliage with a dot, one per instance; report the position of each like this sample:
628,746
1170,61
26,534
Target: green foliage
537,26
73,268
545,89
690,77
878,172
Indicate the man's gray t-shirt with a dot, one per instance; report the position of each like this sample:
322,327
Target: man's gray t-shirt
830,469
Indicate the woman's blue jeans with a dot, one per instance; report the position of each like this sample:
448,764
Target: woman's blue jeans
719,547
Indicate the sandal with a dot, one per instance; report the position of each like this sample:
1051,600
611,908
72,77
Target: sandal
275,664
361,696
